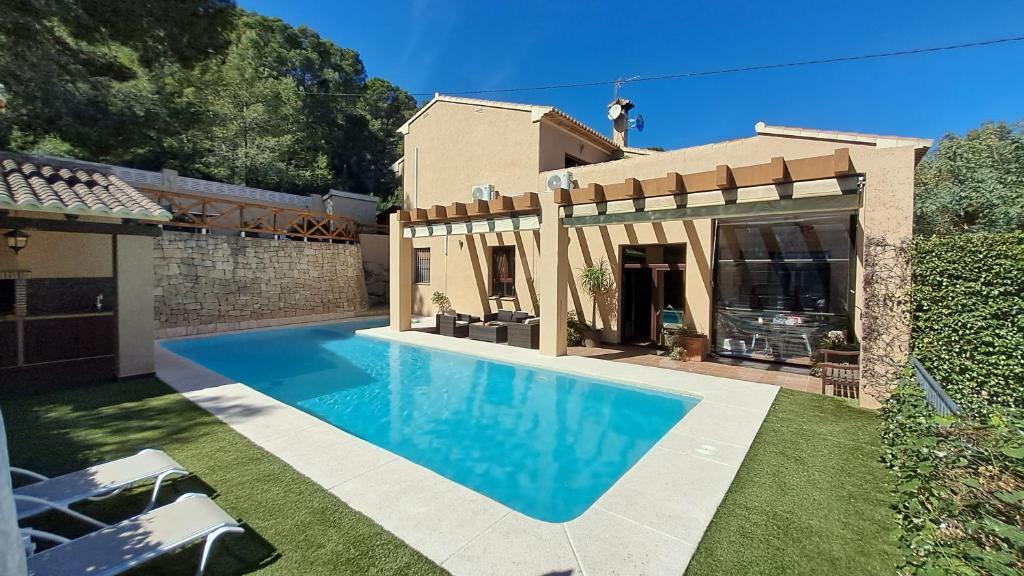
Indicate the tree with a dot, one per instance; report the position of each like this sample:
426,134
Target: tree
80,74
254,125
973,183
200,86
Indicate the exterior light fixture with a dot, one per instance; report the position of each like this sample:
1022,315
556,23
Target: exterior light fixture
16,240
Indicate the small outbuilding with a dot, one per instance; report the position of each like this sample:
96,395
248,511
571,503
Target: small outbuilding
76,275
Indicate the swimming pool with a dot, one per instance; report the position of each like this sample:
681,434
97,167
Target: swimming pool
544,443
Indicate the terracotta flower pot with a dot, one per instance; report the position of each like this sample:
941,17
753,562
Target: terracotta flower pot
696,347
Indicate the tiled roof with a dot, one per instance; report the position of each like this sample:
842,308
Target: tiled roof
41,187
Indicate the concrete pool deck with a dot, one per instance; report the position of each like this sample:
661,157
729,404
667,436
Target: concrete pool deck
649,522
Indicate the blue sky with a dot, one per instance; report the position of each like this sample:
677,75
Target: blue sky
449,45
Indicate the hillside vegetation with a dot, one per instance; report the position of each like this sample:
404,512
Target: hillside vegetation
200,86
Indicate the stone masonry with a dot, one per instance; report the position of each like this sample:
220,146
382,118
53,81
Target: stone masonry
207,283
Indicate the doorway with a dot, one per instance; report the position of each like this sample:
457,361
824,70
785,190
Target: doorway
652,282
637,286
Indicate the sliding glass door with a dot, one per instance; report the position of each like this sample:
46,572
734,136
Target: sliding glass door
781,284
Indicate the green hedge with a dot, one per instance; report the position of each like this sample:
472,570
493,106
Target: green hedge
968,325
959,487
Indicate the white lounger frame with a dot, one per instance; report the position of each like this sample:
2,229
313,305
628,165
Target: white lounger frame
158,482
210,537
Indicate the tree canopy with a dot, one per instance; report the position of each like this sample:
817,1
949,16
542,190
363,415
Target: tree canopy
200,86
973,183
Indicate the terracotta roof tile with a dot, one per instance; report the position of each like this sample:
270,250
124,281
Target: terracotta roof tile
29,186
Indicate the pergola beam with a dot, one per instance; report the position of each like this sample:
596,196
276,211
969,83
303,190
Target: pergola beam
846,202
723,177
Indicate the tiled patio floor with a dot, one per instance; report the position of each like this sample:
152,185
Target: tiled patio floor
792,378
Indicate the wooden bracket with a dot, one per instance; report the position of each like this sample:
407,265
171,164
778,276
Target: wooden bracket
723,177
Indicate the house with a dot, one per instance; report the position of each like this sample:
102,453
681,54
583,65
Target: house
761,241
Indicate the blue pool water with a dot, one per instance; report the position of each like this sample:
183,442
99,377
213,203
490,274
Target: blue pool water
544,443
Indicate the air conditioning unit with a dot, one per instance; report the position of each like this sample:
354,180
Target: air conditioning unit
483,192
560,180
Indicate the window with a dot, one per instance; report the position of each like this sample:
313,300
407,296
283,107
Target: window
6,297
423,265
781,284
503,271
572,161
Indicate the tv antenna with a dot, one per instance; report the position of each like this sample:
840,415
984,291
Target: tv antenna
622,82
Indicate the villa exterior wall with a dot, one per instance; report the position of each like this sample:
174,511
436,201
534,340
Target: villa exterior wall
209,283
453,147
556,142
463,272
887,213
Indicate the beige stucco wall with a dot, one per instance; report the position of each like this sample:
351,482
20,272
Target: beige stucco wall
452,147
556,142
376,262
135,326
62,255
464,274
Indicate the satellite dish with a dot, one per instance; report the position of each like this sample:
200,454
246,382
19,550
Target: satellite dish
614,111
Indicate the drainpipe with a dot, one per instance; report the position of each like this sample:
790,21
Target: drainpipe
416,174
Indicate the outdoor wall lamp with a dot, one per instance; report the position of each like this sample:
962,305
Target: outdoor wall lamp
16,240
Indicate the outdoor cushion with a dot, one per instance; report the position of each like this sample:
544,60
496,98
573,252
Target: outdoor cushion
505,316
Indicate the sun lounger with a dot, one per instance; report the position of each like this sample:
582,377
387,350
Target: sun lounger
94,483
125,545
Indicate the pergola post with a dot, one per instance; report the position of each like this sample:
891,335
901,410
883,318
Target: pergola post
400,284
554,278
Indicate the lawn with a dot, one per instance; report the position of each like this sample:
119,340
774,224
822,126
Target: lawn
809,499
294,526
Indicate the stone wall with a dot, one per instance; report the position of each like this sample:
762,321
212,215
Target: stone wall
207,283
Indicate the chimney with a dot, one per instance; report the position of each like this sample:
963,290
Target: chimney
618,113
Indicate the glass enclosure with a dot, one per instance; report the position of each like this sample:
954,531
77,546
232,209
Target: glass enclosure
780,284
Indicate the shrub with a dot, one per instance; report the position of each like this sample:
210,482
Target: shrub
575,329
959,487
442,302
968,323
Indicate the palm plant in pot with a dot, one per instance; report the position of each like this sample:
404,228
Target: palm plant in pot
596,280
443,305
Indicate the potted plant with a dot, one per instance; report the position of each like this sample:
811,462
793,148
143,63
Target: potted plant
443,305
691,341
596,280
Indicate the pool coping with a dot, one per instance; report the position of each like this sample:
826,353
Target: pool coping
648,522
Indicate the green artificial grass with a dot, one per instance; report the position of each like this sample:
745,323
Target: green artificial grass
293,525
810,498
